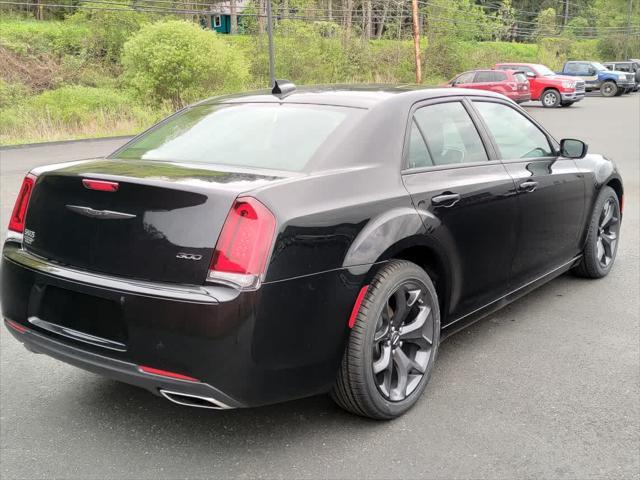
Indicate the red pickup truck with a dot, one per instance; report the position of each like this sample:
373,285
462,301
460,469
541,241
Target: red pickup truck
545,85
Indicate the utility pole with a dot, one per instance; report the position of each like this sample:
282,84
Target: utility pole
416,40
272,61
565,20
628,42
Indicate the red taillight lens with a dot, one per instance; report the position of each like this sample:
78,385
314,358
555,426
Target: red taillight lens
244,243
16,222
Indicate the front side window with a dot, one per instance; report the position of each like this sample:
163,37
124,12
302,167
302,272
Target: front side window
515,135
450,134
466,77
269,135
578,68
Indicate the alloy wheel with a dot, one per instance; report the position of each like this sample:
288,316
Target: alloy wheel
403,340
549,99
608,229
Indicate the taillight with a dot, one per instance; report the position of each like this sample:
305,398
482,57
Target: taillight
242,250
16,222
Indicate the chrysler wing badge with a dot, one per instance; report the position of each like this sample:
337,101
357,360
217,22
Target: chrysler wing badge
100,214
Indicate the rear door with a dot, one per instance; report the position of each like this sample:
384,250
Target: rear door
467,198
550,190
487,80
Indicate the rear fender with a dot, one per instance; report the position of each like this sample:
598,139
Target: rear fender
396,232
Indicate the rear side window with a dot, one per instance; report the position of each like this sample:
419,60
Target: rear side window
419,156
483,77
274,136
450,135
623,67
515,135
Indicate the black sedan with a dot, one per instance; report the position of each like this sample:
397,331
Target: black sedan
264,247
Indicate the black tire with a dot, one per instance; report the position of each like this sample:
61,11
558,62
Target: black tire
550,98
566,104
609,89
358,389
601,239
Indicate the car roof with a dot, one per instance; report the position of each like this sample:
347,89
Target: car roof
357,96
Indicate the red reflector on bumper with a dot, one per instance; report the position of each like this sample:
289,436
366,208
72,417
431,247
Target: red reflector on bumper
101,185
356,306
164,373
16,326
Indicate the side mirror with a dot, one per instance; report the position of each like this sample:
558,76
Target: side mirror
572,148
592,71
530,75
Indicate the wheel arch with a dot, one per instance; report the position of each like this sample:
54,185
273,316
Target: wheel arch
616,184
428,257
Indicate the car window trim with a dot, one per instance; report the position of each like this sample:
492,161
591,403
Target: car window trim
492,157
553,143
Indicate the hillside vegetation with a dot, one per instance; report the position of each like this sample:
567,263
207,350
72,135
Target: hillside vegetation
103,73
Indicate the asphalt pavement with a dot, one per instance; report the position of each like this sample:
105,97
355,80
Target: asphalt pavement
547,388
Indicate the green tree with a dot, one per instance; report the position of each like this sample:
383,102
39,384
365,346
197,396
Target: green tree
178,62
546,25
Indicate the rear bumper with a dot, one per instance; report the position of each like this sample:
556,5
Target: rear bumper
246,348
115,369
520,97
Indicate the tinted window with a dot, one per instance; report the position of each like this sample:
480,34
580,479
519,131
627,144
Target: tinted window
450,134
499,76
466,77
482,77
578,68
516,135
418,153
275,136
623,67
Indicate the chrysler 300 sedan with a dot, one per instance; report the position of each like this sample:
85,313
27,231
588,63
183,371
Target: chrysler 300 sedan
263,247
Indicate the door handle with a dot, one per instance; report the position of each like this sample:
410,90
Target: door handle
528,186
446,200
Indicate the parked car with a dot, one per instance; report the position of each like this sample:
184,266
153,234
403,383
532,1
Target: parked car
627,67
551,89
262,247
512,84
598,77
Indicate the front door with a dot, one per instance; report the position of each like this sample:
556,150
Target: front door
468,201
550,191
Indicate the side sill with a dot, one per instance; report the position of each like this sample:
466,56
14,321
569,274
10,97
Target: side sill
478,314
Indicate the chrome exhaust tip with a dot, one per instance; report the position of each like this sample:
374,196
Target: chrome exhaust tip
190,400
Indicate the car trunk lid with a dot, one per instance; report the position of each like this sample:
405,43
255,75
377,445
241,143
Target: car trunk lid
154,221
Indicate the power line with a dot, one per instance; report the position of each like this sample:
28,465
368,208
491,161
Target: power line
144,6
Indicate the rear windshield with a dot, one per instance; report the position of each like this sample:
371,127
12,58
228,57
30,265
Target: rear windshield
520,77
274,136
